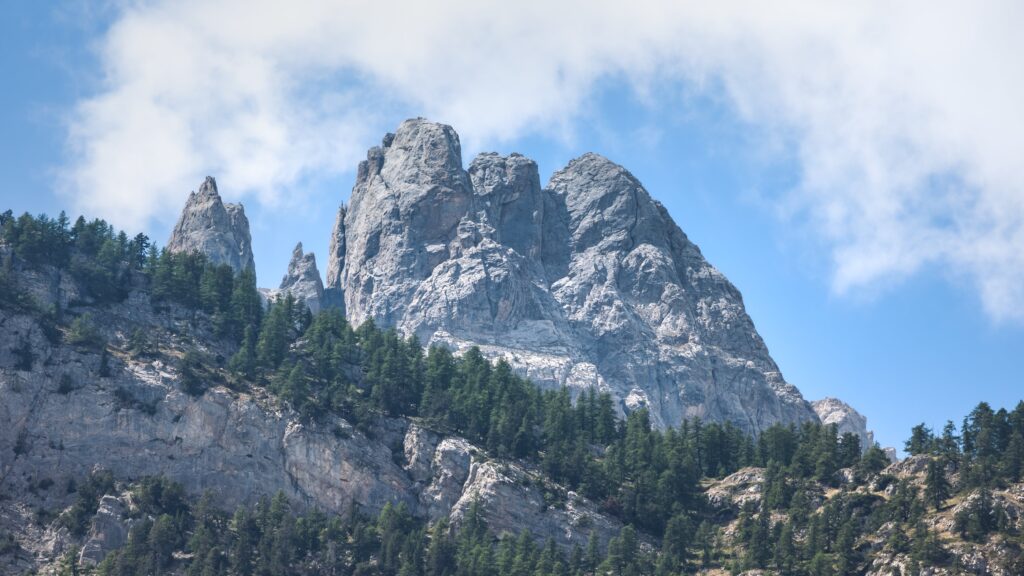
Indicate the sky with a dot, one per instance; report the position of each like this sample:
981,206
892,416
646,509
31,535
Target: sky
854,168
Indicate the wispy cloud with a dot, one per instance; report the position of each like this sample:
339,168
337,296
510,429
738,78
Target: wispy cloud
905,118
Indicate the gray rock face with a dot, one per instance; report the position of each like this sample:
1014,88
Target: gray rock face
846,419
509,502
63,421
334,293
218,230
303,280
108,530
228,443
440,466
510,200
409,199
585,283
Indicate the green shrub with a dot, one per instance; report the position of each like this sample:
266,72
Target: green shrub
83,332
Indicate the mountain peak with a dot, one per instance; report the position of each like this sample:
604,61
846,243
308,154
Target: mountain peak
208,187
587,283
303,280
218,230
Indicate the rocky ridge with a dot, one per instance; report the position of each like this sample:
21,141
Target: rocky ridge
586,282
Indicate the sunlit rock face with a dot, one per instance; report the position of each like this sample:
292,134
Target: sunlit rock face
845,418
303,280
211,227
587,282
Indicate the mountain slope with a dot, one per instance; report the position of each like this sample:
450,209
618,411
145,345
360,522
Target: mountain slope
107,402
134,380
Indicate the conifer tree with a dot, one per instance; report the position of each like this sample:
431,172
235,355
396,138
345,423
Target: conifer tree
936,489
847,559
785,558
244,361
273,340
921,440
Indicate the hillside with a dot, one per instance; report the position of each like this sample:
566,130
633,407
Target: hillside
148,397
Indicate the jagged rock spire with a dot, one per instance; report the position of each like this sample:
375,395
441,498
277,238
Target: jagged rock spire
334,294
218,230
303,280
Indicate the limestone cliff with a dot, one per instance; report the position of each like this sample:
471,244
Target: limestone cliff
64,416
587,282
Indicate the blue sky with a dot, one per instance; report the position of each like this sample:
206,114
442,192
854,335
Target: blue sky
869,207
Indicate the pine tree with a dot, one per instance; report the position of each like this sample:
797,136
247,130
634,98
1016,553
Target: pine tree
785,550
820,565
872,462
273,340
246,307
676,541
826,455
976,520
949,445
440,558
189,377
921,440
898,543
244,361
849,451
936,489
593,555
758,541
706,538
104,370
847,558
1012,466
927,550
138,344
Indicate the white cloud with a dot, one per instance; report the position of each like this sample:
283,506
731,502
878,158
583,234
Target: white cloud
905,117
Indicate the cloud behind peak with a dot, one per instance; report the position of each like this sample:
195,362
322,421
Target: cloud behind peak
904,119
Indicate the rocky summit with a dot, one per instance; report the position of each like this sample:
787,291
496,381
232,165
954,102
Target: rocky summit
585,282
209,226
303,280
846,419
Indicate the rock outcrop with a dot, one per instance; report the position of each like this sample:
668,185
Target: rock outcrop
585,283
846,419
108,530
218,230
333,292
303,280
510,501
735,490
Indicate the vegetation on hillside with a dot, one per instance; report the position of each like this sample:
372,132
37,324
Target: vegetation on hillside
821,496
